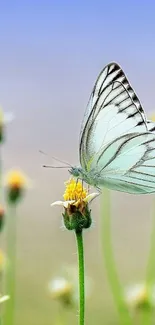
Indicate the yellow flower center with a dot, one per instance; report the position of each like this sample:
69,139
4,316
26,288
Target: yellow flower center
74,191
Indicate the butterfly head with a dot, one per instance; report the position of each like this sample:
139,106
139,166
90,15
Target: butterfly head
76,171
80,173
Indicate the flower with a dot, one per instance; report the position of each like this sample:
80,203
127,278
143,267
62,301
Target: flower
140,296
76,199
4,118
61,289
4,298
74,190
65,287
15,182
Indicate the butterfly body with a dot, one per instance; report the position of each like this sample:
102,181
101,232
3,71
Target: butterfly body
117,142
90,177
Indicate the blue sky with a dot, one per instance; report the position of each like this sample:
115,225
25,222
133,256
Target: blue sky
51,53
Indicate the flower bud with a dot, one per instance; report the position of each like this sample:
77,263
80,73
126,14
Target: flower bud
15,183
77,216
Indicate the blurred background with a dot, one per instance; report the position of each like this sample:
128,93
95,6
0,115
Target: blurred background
50,55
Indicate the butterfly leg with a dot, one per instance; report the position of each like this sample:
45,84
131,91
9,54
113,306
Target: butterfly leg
99,189
82,186
76,182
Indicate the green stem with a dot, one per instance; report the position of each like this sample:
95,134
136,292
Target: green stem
150,270
109,261
79,238
10,270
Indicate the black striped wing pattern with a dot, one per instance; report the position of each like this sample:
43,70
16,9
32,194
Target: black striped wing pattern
116,143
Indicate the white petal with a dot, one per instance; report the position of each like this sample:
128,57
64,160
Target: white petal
91,196
61,203
66,203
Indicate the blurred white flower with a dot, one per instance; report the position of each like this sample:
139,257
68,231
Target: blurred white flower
140,296
8,117
4,298
4,119
65,288
61,289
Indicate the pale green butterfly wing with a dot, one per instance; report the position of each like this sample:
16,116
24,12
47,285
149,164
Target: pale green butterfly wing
128,164
113,110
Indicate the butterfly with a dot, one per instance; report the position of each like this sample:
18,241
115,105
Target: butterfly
117,143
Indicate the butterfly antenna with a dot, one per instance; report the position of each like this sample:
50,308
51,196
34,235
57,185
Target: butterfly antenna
61,161
50,166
